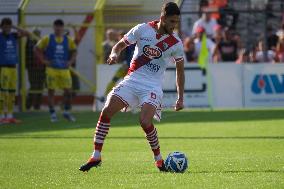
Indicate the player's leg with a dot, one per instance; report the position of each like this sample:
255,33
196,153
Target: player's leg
67,97
53,116
112,106
11,94
2,115
39,86
65,83
51,82
67,100
10,105
30,96
147,113
4,93
5,97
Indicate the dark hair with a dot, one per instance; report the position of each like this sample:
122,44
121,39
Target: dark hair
170,9
6,21
58,22
203,3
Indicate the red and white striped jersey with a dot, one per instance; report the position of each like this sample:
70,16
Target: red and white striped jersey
152,54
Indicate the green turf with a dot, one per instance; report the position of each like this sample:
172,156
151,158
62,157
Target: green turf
226,149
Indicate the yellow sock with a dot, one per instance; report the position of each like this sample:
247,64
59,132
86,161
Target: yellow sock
10,103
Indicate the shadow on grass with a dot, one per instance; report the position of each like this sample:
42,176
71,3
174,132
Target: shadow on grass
39,121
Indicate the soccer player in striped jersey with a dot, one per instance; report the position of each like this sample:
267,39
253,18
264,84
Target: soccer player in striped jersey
156,46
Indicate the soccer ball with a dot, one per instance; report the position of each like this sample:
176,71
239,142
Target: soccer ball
176,162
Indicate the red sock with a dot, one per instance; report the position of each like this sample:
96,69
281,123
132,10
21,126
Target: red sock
101,132
152,137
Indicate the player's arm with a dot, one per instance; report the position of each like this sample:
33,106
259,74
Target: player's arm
115,52
179,84
39,50
130,38
73,57
40,55
21,31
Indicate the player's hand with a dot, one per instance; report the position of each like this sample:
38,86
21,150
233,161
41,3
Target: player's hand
112,59
179,105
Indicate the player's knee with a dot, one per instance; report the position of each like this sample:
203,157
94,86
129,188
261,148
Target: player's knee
107,112
145,122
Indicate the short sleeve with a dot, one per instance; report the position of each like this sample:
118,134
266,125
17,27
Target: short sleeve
178,54
133,35
42,44
72,45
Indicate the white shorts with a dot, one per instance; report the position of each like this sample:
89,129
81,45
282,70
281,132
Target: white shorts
137,97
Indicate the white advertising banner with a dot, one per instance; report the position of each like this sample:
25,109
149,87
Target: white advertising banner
232,85
264,85
226,85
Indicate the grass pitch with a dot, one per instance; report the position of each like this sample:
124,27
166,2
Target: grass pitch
226,149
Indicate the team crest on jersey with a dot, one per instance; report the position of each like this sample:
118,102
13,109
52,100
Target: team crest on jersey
9,43
165,45
152,52
59,47
145,39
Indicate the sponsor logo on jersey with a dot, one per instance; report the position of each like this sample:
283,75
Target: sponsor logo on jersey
153,67
152,52
145,39
10,45
268,83
9,42
59,47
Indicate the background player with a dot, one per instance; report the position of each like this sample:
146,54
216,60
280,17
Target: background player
9,59
156,44
58,52
36,72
